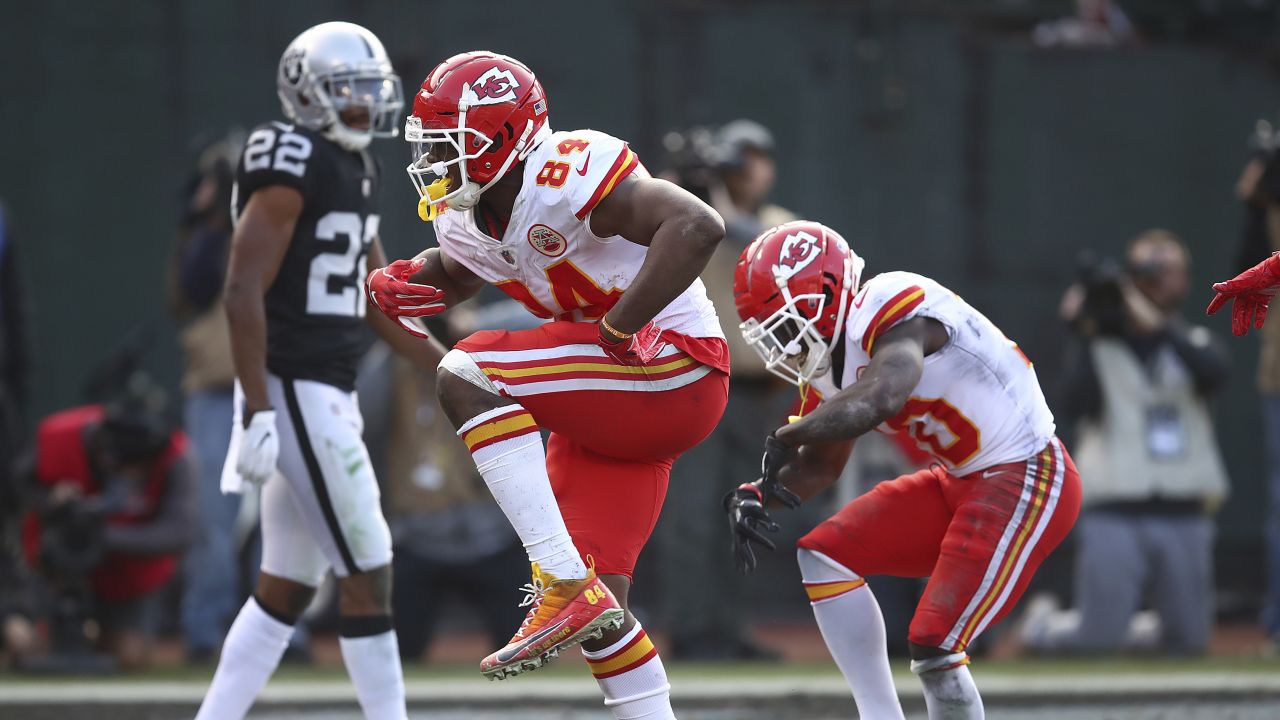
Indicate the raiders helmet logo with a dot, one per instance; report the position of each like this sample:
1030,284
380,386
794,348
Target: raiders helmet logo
291,65
798,251
493,87
547,241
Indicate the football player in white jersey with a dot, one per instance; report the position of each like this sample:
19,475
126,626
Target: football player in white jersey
901,354
630,371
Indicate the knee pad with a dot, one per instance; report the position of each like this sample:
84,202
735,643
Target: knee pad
460,363
824,578
944,662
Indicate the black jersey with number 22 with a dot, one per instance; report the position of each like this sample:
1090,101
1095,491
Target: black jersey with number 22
316,306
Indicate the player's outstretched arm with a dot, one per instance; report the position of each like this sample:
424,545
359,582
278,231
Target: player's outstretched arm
1250,293
258,246
426,353
680,231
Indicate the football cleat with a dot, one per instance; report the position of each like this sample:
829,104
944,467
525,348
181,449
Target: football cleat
563,613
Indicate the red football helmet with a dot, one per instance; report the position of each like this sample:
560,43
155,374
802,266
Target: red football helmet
792,287
491,111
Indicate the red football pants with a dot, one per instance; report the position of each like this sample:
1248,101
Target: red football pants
978,538
615,429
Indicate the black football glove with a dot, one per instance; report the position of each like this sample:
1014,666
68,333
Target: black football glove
776,454
747,522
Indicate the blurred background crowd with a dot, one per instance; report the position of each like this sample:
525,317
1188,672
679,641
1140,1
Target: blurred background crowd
1078,170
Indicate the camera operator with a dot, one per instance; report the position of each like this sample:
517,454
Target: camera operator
114,512
1137,392
733,169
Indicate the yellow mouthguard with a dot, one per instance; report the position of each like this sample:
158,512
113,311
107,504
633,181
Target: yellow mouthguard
428,207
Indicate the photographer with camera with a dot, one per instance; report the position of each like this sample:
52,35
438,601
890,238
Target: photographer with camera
113,512
1136,392
732,168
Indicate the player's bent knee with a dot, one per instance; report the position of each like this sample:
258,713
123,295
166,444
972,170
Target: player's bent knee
366,593
284,600
945,660
817,567
458,365
824,578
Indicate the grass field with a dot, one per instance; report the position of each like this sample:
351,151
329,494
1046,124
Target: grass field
1124,689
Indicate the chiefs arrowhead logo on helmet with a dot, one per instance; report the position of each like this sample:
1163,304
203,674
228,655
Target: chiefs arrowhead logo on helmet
798,250
494,86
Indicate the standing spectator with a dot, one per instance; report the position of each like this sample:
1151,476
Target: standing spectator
114,516
1259,190
212,587
702,585
1138,390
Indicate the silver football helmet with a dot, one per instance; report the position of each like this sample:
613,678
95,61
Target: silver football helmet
332,68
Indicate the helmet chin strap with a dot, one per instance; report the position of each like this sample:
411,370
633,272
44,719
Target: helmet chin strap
468,198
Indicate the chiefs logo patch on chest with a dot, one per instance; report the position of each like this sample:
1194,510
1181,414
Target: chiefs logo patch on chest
547,241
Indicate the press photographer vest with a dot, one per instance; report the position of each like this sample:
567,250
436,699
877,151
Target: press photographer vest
1154,438
61,456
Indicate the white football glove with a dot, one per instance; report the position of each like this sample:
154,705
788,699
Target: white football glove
259,448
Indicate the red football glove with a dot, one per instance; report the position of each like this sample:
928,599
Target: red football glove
1250,292
391,292
639,349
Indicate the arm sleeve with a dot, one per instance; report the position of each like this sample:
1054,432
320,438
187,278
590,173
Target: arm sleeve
1203,354
172,528
1269,183
1079,392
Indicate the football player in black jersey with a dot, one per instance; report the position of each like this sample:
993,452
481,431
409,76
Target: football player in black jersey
307,229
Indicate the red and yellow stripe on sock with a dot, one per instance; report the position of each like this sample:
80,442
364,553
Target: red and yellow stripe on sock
631,656
503,427
818,592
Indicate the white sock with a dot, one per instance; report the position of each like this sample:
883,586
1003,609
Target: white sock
631,676
373,662
508,452
851,624
251,652
949,690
